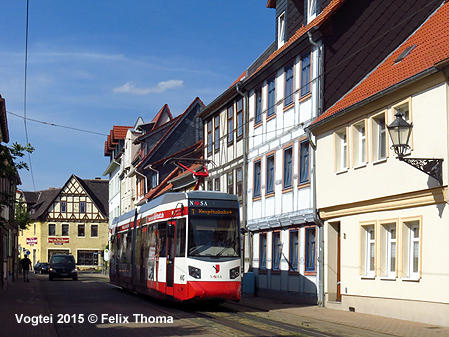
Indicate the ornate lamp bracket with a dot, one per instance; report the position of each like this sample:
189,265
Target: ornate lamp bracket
432,167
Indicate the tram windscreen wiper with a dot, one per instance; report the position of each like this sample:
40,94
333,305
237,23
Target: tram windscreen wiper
231,246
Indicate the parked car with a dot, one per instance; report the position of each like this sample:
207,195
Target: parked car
41,268
62,266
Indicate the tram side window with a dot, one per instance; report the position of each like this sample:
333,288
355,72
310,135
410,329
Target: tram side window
139,246
181,238
162,233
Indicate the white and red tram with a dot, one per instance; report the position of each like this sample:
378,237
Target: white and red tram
180,246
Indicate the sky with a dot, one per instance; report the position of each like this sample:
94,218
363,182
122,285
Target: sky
93,64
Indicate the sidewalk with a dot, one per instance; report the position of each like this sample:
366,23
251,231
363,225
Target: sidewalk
323,319
25,298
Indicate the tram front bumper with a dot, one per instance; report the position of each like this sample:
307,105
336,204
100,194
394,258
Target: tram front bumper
204,290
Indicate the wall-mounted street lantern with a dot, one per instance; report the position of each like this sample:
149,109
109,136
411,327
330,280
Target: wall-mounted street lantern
400,131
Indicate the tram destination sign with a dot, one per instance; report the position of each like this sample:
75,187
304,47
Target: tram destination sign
200,211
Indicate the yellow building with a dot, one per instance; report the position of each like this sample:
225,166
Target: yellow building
68,220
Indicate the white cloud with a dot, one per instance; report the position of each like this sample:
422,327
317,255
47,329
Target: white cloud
129,87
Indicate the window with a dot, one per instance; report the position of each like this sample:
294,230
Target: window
209,137
239,183
154,181
412,249
258,114
288,161
209,185
81,231
369,250
94,231
289,85
231,183
359,141
391,251
263,251
281,30
82,207
341,150
87,258
293,253
303,162
230,125
311,10
51,229
310,257
217,184
256,192
65,230
276,251
271,83
63,206
239,118
305,74
270,174
217,133
379,140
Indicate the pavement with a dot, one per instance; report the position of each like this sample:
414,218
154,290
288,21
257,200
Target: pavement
27,298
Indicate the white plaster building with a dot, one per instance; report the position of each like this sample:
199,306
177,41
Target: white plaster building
386,222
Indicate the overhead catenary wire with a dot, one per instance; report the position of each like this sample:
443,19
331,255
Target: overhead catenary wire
57,125
25,91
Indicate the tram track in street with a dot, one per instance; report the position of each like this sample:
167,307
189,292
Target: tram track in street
234,322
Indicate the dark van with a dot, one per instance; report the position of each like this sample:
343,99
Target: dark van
62,266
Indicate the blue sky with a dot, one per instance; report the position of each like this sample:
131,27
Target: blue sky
93,64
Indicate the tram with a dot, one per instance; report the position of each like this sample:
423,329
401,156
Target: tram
180,246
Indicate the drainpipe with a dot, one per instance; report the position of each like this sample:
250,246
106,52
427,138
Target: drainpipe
316,216
245,169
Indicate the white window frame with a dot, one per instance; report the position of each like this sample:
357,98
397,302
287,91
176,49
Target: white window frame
368,245
311,10
341,150
281,30
411,249
359,144
392,248
414,251
379,137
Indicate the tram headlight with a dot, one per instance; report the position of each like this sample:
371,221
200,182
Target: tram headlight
234,273
195,272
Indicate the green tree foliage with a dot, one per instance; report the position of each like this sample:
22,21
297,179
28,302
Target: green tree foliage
10,163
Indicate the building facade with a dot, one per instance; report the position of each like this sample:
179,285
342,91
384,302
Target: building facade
225,129
70,220
9,179
385,222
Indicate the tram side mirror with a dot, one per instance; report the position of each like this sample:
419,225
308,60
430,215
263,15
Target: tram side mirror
171,230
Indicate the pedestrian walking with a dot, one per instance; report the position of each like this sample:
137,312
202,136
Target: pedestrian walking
26,264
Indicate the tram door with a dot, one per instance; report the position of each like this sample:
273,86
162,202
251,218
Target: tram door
170,271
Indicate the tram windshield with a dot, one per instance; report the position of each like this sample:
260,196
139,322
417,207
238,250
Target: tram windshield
215,235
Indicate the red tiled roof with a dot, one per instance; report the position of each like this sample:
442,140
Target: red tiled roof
156,119
432,47
243,75
117,133
318,21
271,4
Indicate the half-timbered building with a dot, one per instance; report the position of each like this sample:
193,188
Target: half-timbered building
69,220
